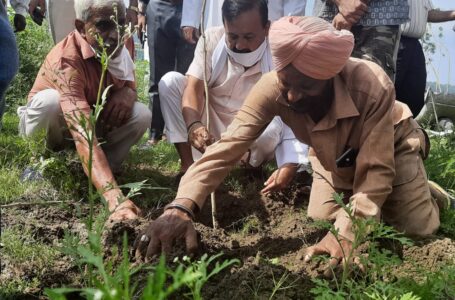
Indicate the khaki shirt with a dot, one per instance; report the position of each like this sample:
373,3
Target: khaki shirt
362,116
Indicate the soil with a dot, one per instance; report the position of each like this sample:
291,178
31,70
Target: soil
268,235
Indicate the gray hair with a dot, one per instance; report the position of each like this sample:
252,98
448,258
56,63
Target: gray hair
83,7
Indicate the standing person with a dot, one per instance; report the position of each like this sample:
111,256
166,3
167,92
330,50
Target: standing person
238,54
374,23
168,50
9,59
192,14
66,88
411,78
62,15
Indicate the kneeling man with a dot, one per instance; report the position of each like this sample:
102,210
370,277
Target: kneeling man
364,143
66,89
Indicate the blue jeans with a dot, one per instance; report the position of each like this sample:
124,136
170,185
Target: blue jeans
9,59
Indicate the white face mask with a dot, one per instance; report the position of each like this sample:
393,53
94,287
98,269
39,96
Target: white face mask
247,59
121,67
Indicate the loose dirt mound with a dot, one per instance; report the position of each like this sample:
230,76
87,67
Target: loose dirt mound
268,235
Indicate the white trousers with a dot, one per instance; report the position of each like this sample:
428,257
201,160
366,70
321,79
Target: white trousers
282,8
43,113
277,138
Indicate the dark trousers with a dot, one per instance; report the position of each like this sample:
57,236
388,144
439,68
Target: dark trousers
9,60
411,75
168,52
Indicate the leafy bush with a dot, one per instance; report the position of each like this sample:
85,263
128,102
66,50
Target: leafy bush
440,164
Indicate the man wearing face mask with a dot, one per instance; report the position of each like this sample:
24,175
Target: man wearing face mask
237,56
65,91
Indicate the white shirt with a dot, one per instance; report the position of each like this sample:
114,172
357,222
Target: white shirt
191,13
418,14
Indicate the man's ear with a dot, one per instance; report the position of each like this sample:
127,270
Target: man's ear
80,26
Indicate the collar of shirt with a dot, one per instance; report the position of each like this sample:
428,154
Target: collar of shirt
86,50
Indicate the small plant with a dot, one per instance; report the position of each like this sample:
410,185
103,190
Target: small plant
378,264
201,267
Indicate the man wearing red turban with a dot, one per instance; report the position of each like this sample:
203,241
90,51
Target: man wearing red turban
364,143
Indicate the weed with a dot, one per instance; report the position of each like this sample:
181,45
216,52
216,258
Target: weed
201,267
281,284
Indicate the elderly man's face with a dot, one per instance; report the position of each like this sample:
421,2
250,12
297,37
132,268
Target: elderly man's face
300,91
246,32
101,24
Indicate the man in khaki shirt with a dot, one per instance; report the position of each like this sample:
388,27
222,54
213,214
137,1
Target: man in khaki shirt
364,143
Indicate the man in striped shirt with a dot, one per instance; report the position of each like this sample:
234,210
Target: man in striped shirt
374,23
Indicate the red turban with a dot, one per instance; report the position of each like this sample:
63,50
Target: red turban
312,45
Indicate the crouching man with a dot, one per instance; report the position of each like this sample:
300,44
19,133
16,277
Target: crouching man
66,89
364,143
237,56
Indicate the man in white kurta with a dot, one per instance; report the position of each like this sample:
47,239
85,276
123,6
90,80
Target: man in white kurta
230,77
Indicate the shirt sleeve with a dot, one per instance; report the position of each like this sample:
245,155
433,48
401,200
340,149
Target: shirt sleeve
375,163
206,174
196,68
191,13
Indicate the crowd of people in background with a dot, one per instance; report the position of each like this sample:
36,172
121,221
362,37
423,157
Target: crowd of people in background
312,92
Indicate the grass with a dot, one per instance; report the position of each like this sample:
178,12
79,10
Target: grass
28,257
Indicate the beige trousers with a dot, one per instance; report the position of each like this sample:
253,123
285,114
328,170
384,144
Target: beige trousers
43,113
409,208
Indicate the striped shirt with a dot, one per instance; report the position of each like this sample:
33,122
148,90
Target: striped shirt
380,12
418,13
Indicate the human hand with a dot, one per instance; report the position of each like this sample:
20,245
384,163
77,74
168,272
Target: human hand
199,137
339,250
141,27
352,10
280,179
37,3
118,107
127,210
339,22
161,234
19,22
190,34
131,17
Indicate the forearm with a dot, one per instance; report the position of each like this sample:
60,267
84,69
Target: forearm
437,16
193,101
102,178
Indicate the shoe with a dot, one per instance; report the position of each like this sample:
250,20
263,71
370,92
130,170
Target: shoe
31,174
443,198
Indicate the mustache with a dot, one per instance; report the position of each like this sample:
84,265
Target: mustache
241,51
